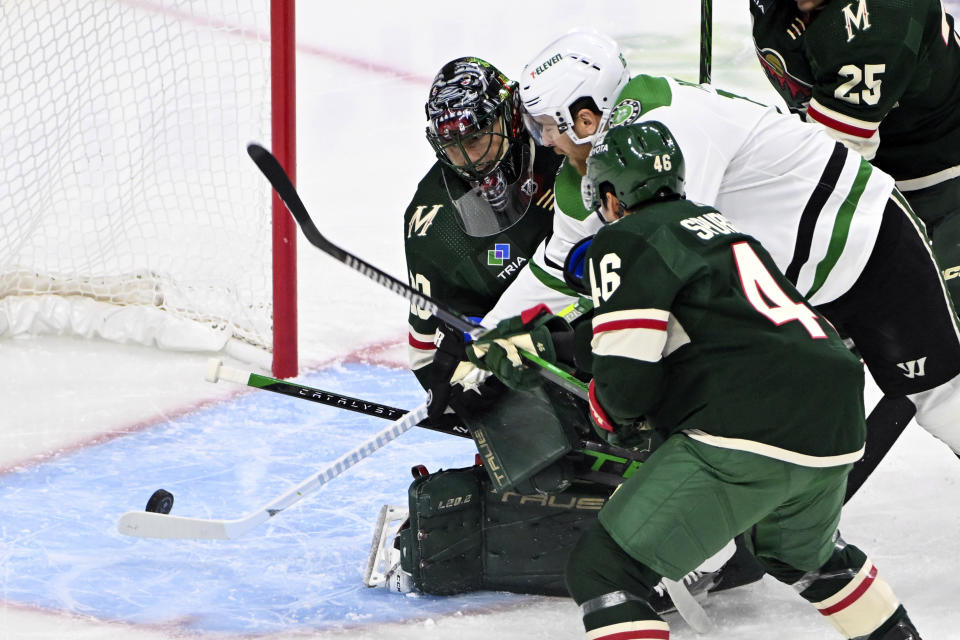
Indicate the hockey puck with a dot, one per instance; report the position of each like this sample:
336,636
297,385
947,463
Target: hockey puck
160,502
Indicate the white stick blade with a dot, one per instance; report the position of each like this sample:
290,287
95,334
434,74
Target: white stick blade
231,374
213,370
146,524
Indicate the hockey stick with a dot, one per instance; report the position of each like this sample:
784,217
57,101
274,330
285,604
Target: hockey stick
146,524
217,371
610,464
885,423
706,40
278,178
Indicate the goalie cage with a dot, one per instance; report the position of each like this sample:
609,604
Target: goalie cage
129,209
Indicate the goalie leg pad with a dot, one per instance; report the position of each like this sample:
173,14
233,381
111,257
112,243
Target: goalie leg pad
527,538
463,536
442,546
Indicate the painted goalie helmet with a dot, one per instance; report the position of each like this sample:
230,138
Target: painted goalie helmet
582,68
472,106
640,162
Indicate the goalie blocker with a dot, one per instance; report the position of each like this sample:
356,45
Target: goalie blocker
525,438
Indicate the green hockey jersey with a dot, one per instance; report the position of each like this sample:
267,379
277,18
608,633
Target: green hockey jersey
465,270
696,330
883,76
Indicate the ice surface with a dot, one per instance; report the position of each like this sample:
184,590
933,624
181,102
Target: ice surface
89,429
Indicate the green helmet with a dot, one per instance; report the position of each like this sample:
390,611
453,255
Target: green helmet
641,161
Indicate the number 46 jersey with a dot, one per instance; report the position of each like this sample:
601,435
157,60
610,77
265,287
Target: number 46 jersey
697,330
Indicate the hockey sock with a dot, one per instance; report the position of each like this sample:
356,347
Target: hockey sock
611,588
846,590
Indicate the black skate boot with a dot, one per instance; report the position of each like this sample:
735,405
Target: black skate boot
742,568
898,627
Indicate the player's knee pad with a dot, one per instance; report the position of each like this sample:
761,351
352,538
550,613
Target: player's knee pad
938,411
846,590
611,588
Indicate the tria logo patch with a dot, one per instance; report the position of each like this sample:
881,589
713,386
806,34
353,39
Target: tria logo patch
546,64
498,255
914,368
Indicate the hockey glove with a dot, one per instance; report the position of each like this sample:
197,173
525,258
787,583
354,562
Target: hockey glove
620,433
535,331
455,382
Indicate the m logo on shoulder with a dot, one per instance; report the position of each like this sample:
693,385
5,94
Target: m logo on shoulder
913,368
420,221
859,19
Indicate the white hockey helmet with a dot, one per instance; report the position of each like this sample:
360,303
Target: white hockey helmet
583,63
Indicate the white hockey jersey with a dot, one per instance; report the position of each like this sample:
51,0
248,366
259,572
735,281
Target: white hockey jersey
813,204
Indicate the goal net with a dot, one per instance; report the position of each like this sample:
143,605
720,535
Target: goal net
130,210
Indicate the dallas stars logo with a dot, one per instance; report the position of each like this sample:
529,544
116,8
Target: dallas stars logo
626,112
497,255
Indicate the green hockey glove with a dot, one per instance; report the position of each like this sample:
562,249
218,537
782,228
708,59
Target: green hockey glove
535,331
620,433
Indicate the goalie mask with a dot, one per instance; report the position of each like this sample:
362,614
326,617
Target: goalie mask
583,68
640,162
473,117
475,128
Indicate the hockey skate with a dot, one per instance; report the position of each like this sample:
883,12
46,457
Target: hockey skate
698,583
383,563
741,569
902,630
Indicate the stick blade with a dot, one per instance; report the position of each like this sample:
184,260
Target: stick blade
147,524
256,152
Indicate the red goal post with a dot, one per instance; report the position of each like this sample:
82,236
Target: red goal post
129,208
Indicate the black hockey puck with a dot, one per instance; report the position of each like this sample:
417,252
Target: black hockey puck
160,502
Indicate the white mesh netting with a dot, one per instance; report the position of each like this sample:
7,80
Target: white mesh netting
129,207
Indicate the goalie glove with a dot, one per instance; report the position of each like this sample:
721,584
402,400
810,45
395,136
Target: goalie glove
535,331
455,382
